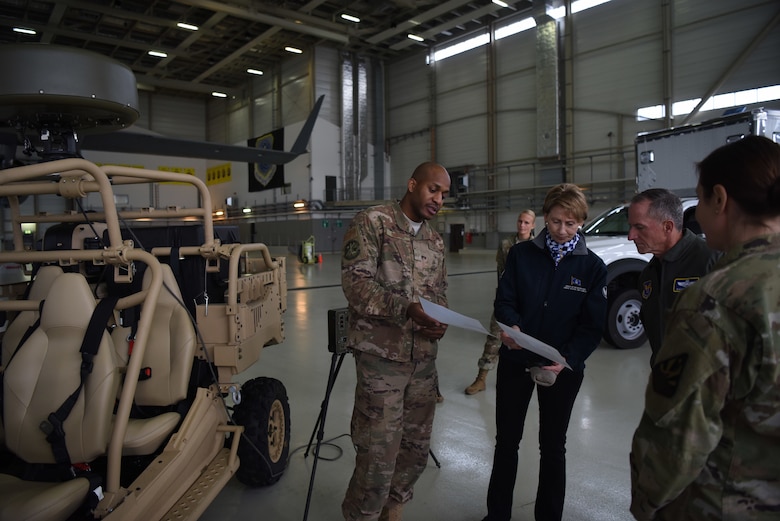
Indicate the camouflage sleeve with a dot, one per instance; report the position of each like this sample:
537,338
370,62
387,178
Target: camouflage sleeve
359,262
681,424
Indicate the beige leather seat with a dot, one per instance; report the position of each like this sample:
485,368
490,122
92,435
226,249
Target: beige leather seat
42,374
39,288
169,354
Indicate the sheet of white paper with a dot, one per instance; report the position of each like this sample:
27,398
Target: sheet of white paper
535,345
447,316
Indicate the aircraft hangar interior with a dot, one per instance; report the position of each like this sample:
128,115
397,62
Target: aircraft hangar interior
197,163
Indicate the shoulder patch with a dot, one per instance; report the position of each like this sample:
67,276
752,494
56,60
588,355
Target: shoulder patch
667,375
351,249
647,289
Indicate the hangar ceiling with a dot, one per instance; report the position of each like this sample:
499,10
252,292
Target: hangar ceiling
235,35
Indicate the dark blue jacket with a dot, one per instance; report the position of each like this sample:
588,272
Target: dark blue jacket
563,306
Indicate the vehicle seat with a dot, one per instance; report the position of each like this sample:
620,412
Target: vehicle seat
39,288
43,373
169,353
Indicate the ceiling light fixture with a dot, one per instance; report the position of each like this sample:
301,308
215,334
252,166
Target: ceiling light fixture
157,54
350,18
247,210
219,94
415,37
293,50
300,203
191,27
500,3
255,71
24,30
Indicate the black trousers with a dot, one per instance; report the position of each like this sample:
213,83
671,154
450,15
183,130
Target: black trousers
514,389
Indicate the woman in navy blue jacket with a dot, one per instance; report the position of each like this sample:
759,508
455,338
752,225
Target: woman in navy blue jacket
553,288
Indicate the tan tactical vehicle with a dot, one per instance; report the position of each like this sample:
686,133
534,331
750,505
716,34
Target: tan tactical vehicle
119,358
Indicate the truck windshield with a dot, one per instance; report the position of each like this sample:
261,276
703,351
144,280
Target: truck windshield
611,223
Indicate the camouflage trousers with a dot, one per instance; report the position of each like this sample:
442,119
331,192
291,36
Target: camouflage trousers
492,344
391,430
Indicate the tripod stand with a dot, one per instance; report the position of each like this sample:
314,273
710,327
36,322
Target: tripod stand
335,366
319,426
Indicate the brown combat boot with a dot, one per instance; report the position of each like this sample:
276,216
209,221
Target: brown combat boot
391,511
479,383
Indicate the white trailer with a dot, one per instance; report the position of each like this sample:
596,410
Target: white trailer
667,158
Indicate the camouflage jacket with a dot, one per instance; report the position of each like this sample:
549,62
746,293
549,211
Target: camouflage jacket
503,251
384,268
708,444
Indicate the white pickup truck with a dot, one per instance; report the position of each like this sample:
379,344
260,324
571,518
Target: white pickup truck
607,237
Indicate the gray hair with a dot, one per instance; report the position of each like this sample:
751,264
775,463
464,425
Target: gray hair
664,205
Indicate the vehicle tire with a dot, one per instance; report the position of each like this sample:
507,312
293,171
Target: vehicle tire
264,412
624,327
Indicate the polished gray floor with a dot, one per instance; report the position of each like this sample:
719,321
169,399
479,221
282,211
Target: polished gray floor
605,415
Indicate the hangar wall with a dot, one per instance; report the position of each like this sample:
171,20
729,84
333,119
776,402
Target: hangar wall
475,112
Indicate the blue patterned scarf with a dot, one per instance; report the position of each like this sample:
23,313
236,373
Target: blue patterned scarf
559,251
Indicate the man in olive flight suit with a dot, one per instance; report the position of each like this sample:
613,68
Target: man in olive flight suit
680,257
391,258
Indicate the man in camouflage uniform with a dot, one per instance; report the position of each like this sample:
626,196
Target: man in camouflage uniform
391,258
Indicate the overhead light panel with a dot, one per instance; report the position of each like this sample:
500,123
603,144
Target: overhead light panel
191,27
247,210
219,94
299,204
415,37
157,54
256,72
500,3
350,18
24,30
293,50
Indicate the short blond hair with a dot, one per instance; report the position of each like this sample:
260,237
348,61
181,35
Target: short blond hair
569,197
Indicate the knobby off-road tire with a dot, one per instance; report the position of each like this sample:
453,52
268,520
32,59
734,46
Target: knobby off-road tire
624,327
264,412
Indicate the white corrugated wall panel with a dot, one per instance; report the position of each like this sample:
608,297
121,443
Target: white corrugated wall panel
408,117
462,142
515,53
615,23
516,115
704,48
406,156
461,70
183,118
263,113
238,124
461,109
407,81
296,89
327,81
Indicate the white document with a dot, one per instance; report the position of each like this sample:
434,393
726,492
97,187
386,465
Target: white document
534,345
447,316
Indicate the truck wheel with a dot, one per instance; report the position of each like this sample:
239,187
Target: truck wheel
624,327
265,444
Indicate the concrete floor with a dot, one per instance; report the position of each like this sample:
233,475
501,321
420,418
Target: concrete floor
605,415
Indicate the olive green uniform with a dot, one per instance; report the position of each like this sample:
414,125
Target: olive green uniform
493,343
664,279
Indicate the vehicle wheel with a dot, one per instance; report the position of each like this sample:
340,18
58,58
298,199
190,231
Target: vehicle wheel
265,444
624,327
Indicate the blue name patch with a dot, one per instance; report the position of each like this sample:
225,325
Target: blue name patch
682,283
